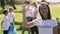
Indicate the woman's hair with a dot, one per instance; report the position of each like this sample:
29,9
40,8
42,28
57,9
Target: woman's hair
5,11
27,2
35,3
48,15
10,8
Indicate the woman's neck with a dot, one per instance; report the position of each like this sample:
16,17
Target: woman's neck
45,17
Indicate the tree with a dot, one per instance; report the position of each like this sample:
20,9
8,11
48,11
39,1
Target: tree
2,4
12,4
7,1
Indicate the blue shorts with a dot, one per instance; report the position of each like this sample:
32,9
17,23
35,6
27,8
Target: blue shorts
12,24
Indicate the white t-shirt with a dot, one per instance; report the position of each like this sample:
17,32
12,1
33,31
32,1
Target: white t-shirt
6,23
31,12
45,26
35,11
11,17
25,7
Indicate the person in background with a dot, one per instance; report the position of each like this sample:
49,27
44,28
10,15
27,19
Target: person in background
5,22
11,16
26,8
46,23
34,12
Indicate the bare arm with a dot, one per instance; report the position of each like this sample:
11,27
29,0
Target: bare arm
24,8
26,22
55,30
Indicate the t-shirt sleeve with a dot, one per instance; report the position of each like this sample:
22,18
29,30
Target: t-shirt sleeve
55,22
37,22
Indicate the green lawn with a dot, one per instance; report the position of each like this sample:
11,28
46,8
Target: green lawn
18,18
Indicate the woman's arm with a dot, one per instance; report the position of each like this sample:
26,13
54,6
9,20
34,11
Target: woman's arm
55,30
25,22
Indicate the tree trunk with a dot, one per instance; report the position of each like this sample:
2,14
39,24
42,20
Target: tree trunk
12,4
2,3
7,1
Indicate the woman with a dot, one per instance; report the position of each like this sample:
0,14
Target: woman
26,8
46,24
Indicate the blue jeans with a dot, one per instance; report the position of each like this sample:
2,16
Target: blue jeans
23,29
29,29
12,24
12,30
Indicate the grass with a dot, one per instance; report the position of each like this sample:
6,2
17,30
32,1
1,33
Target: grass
18,17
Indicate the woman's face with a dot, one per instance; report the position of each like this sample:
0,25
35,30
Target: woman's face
44,10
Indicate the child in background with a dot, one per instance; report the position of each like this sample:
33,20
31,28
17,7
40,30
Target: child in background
26,9
11,15
34,13
5,22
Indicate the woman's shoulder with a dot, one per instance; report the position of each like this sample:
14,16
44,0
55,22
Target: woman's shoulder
4,17
53,18
12,13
